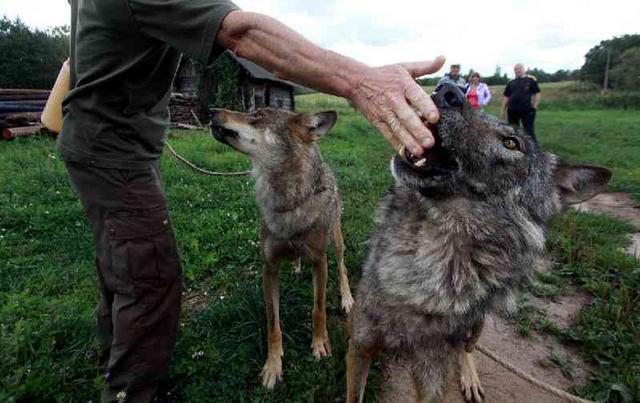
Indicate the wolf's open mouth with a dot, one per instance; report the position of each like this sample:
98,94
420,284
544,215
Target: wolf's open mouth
435,161
222,134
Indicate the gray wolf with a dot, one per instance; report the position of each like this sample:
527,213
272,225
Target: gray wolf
456,237
300,205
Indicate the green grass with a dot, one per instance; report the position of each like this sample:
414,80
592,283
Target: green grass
48,285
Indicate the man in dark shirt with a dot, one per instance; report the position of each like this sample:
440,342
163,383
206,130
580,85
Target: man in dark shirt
124,56
521,99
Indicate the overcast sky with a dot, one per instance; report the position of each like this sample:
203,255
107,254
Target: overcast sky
549,34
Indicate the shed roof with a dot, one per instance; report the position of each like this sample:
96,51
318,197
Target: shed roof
261,74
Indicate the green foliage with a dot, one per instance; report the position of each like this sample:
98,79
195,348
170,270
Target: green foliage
560,75
222,82
31,58
596,59
626,74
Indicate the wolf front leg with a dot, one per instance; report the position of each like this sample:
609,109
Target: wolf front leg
430,369
272,370
320,341
469,380
345,290
358,361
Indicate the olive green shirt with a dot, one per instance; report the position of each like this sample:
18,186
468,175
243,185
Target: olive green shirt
124,57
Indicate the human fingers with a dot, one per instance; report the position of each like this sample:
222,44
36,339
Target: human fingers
417,69
402,134
389,135
422,102
412,123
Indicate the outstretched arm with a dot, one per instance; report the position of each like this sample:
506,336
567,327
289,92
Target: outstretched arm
388,96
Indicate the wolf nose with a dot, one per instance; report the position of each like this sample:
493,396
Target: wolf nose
447,95
214,113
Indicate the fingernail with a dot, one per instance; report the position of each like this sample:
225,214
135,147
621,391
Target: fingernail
428,142
433,117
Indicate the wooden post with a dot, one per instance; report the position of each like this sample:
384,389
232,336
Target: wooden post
267,94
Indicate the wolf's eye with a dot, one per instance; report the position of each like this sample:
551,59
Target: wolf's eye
511,143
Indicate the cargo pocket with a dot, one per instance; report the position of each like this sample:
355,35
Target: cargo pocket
143,250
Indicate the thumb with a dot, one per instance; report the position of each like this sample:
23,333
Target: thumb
418,69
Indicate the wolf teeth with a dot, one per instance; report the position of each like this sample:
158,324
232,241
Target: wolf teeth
421,162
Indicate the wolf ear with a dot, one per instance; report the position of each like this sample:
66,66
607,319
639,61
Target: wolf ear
318,124
577,183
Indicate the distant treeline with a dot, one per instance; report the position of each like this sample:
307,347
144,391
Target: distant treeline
31,58
499,77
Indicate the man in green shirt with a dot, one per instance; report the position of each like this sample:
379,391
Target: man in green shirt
124,55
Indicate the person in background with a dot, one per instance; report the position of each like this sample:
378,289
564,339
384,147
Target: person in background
453,77
521,99
478,94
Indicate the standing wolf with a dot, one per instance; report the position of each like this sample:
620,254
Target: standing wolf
456,236
300,205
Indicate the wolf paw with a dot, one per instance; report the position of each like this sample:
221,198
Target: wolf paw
272,372
347,301
470,385
321,348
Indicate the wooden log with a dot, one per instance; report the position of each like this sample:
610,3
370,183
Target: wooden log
24,97
42,102
25,102
20,108
21,91
21,119
10,133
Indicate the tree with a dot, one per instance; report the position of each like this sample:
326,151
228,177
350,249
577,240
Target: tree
626,74
31,58
596,58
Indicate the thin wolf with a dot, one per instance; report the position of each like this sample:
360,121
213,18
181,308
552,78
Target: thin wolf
300,205
456,237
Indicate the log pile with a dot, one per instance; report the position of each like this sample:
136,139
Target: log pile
20,111
182,108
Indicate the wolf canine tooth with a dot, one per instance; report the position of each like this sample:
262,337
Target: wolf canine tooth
421,163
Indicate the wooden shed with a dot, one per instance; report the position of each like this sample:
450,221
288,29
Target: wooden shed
256,88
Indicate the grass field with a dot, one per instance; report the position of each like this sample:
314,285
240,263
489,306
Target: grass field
48,285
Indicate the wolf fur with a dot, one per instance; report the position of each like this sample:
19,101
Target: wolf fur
454,240
300,205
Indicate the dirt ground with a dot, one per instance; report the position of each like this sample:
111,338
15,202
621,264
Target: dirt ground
530,354
621,206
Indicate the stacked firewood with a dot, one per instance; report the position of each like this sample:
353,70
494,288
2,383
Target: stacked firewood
20,111
182,108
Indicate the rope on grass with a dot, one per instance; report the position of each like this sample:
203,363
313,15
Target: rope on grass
201,170
543,385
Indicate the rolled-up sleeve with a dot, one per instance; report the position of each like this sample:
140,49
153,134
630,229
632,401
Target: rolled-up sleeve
189,26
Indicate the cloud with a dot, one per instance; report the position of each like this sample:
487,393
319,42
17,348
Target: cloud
549,34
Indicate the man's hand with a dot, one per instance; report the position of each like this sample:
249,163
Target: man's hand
394,103
503,109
